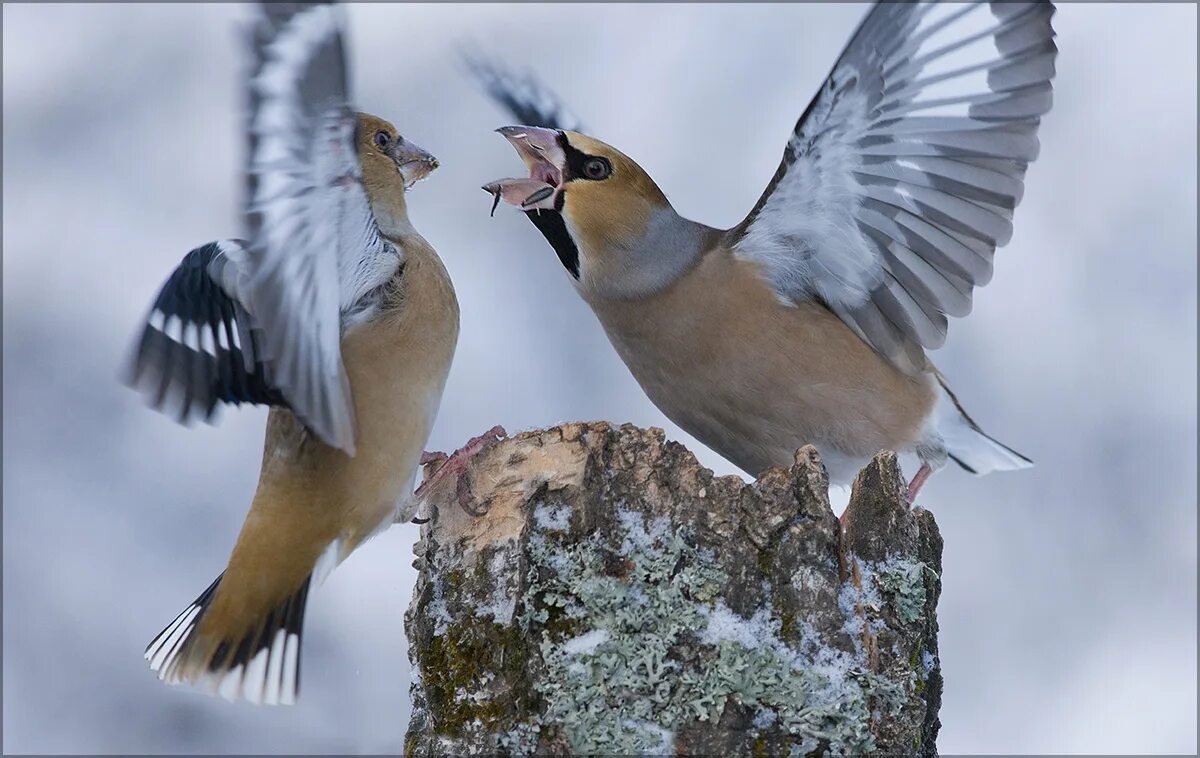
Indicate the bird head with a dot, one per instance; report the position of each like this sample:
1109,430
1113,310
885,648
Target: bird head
390,166
604,216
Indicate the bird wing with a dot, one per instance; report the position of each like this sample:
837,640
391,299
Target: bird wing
901,177
199,344
314,247
529,101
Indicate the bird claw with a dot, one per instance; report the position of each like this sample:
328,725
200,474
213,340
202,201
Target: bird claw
476,444
456,465
431,462
464,495
437,456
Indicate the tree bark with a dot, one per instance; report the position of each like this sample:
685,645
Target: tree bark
601,592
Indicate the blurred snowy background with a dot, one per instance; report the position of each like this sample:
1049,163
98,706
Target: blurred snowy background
1068,618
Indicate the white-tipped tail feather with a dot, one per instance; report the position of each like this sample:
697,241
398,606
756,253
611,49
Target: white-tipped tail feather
966,444
262,667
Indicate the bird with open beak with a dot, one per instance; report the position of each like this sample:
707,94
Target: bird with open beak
809,321
336,313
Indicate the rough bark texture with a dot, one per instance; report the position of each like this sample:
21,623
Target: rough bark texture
610,595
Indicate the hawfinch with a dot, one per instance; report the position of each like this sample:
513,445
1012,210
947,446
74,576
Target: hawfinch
808,322
335,312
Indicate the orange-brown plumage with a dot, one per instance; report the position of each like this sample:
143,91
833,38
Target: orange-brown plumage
712,339
335,312
809,321
715,350
312,496
604,219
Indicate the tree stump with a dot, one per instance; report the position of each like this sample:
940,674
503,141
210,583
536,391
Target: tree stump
601,592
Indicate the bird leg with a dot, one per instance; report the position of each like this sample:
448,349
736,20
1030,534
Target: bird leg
456,465
430,463
918,481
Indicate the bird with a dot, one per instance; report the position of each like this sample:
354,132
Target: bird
333,311
810,321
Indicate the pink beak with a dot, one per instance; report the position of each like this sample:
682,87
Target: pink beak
544,157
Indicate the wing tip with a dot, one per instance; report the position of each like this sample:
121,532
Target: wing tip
523,94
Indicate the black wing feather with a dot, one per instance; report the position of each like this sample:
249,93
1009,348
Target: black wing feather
172,360
529,101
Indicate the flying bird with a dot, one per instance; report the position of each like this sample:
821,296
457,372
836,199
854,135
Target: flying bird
809,321
336,313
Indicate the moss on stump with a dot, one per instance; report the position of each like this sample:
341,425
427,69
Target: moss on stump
610,595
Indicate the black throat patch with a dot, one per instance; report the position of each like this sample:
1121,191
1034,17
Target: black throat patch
554,229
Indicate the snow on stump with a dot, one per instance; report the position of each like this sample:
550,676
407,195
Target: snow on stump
607,594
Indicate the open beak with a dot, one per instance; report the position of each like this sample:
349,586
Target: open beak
414,162
544,157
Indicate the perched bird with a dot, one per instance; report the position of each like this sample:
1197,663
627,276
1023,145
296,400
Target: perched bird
808,322
335,312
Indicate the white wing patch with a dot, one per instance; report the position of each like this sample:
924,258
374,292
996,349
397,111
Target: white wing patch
315,250
901,179
806,235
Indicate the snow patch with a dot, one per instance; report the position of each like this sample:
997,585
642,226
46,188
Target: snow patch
503,603
586,644
639,537
550,518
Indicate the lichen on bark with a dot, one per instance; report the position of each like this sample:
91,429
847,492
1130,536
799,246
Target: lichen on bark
608,594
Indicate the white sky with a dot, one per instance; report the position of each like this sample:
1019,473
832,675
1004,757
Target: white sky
1068,615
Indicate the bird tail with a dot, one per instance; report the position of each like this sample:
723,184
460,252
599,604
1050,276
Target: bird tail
967,444
260,663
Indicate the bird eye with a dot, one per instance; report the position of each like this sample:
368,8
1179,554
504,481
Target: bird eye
597,168
383,139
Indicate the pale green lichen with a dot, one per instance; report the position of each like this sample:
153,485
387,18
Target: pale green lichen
620,641
904,581
612,618
522,739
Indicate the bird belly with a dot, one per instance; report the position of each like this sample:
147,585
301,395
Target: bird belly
311,494
755,379
397,368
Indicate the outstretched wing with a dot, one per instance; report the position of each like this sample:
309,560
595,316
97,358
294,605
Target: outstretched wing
198,347
529,101
902,175
314,248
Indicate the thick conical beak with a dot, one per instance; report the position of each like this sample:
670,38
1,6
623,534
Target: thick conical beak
544,157
538,147
415,163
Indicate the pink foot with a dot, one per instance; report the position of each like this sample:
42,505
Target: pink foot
436,457
430,462
918,481
456,465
